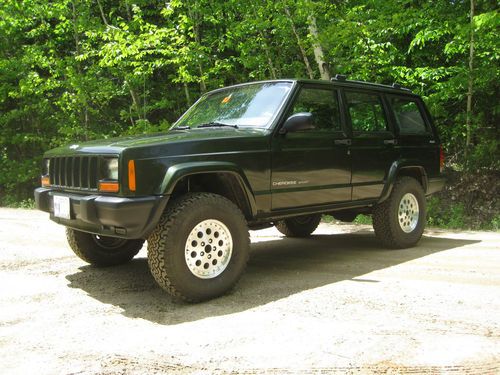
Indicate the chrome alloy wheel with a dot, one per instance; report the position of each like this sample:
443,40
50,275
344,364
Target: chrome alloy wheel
408,213
208,249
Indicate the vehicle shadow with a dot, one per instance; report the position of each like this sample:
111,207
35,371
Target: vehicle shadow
278,268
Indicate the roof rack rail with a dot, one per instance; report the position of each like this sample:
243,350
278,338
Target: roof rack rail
339,77
343,78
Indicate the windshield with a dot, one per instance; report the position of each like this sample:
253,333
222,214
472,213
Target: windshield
254,105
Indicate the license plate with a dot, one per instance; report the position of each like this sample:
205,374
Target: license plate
62,207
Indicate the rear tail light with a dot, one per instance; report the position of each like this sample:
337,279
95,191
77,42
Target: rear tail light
441,158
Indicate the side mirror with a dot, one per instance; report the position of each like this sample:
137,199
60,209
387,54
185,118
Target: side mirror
297,122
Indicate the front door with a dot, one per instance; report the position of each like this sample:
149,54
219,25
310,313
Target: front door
312,167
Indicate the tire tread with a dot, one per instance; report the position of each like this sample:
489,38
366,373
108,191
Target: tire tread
158,242
87,250
290,228
384,229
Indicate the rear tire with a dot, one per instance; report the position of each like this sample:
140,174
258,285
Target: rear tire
200,247
300,226
399,221
102,251
345,216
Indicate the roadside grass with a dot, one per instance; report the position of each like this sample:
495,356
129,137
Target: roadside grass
26,204
360,219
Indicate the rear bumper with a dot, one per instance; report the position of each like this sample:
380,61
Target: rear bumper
106,215
435,184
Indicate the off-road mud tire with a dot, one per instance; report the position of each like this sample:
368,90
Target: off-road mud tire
385,215
92,248
167,246
301,226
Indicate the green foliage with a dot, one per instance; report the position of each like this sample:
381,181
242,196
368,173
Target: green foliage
363,219
495,223
327,219
444,216
77,70
468,201
360,219
13,203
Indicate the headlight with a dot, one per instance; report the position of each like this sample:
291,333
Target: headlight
110,170
46,167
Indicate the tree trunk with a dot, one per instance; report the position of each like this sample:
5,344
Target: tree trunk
186,92
299,43
203,86
197,38
318,50
268,55
135,102
79,69
468,123
272,68
128,10
103,16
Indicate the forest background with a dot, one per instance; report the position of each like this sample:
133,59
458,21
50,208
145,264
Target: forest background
86,69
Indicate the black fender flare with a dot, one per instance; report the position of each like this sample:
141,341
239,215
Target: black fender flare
178,171
397,168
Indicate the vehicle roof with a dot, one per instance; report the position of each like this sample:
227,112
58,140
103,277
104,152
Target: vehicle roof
395,88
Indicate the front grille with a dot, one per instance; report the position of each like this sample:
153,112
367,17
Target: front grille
75,172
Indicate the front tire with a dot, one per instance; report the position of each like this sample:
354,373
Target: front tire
200,247
102,251
399,221
300,226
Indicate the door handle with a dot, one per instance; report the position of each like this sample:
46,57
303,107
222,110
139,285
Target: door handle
342,142
390,141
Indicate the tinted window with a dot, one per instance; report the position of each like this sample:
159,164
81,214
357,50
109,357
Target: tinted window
366,111
408,116
323,105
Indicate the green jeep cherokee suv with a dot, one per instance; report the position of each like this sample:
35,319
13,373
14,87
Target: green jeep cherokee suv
249,156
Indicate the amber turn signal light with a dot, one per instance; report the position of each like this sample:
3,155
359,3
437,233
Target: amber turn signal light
109,187
131,175
45,181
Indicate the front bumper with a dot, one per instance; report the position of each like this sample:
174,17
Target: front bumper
129,218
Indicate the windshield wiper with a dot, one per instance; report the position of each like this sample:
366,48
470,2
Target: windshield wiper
180,128
216,124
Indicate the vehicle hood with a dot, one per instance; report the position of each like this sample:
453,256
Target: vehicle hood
116,145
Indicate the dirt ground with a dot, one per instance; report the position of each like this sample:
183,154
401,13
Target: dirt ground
334,303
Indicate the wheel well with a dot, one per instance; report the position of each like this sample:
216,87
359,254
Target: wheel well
225,184
418,173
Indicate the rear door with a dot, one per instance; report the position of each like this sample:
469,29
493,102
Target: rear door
312,167
373,147
417,142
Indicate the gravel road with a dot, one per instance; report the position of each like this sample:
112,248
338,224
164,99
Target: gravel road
334,303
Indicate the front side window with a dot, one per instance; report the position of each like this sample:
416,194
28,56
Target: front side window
408,116
322,104
366,112
254,105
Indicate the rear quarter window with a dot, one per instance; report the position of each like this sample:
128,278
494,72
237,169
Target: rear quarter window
409,118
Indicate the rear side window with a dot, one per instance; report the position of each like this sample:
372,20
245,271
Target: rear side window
408,116
366,112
